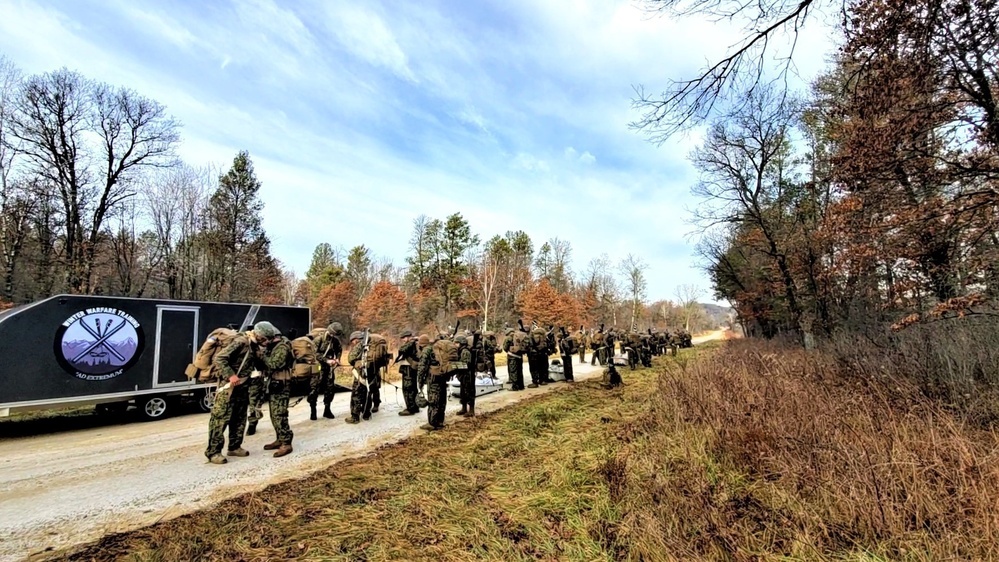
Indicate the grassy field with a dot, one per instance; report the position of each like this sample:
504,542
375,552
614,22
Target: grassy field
748,453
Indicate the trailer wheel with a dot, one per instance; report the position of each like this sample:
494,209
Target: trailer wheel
154,407
206,400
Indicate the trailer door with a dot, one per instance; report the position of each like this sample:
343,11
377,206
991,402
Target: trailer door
176,344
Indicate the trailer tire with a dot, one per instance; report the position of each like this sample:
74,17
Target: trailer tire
206,399
155,407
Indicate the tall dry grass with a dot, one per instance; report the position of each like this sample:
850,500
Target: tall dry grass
763,452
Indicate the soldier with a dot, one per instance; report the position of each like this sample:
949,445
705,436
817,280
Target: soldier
364,377
597,344
466,377
537,353
512,345
436,372
421,382
328,351
490,348
631,344
608,347
409,355
581,341
236,364
278,362
645,349
567,347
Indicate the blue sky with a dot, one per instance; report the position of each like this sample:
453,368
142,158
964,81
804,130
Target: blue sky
359,116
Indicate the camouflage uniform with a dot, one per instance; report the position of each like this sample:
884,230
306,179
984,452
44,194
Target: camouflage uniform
436,392
514,363
597,345
489,351
466,378
581,341
421,381
537,357
360,404
328,348
279,362
567,347
608,348
257,392
408,353
239,358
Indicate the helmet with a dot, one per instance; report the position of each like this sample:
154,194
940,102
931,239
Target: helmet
424,340
265,330
356,335
335,328
509,331
461,340
406,334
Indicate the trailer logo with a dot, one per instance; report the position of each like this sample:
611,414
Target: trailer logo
97,344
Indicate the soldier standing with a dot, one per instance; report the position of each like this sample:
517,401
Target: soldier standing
236,363
597,345
409,355
514,360
581,341
359,400
278,363
466,377
434,371
489,350
328,351
567,346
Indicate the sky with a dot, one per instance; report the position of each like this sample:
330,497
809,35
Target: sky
361,115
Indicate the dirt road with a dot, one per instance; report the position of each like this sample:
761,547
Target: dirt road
65,489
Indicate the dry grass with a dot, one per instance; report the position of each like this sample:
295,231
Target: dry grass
762,452
750,453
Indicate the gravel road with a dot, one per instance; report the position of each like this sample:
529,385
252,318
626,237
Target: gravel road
61,490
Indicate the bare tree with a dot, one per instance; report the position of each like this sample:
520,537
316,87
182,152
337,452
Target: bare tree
88,140
633,270
689,102
15,206
686,298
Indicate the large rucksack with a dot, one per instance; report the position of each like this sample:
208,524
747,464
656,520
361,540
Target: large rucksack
519,342
304,350
597,341
216,341
539,340
448,356
378,351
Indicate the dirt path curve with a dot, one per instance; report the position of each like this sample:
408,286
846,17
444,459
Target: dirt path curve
65,489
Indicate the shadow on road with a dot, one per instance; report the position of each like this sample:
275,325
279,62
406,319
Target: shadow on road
58,421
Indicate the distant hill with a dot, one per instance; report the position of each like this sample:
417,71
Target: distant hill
718,315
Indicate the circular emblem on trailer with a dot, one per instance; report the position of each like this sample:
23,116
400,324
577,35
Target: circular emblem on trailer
97,344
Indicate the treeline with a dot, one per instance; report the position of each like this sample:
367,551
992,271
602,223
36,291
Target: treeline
873,200
93,200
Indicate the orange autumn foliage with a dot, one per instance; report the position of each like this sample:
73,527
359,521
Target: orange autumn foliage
384,309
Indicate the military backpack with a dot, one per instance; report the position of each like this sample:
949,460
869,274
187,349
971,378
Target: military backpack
217,340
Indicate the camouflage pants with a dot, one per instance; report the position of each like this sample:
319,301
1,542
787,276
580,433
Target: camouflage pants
567,367
257,389
467,389
436,400
582,354
229,410
280,393
322,382
360,402
534,366
515,371
646,353
632,358
491,364
409,387
598,356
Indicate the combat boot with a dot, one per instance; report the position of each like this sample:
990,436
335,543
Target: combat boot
327,413
352,420
429,427
407,413
251,428
217,458
312,414
532,385
284,450
272,446
471,412
464,410
374,408
240,452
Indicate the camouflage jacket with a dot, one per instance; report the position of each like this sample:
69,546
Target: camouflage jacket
410,353
279,360
238,358
328,347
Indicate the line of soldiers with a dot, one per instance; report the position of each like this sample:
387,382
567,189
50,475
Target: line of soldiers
257,366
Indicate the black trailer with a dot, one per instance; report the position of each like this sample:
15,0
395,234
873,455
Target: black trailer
71,350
